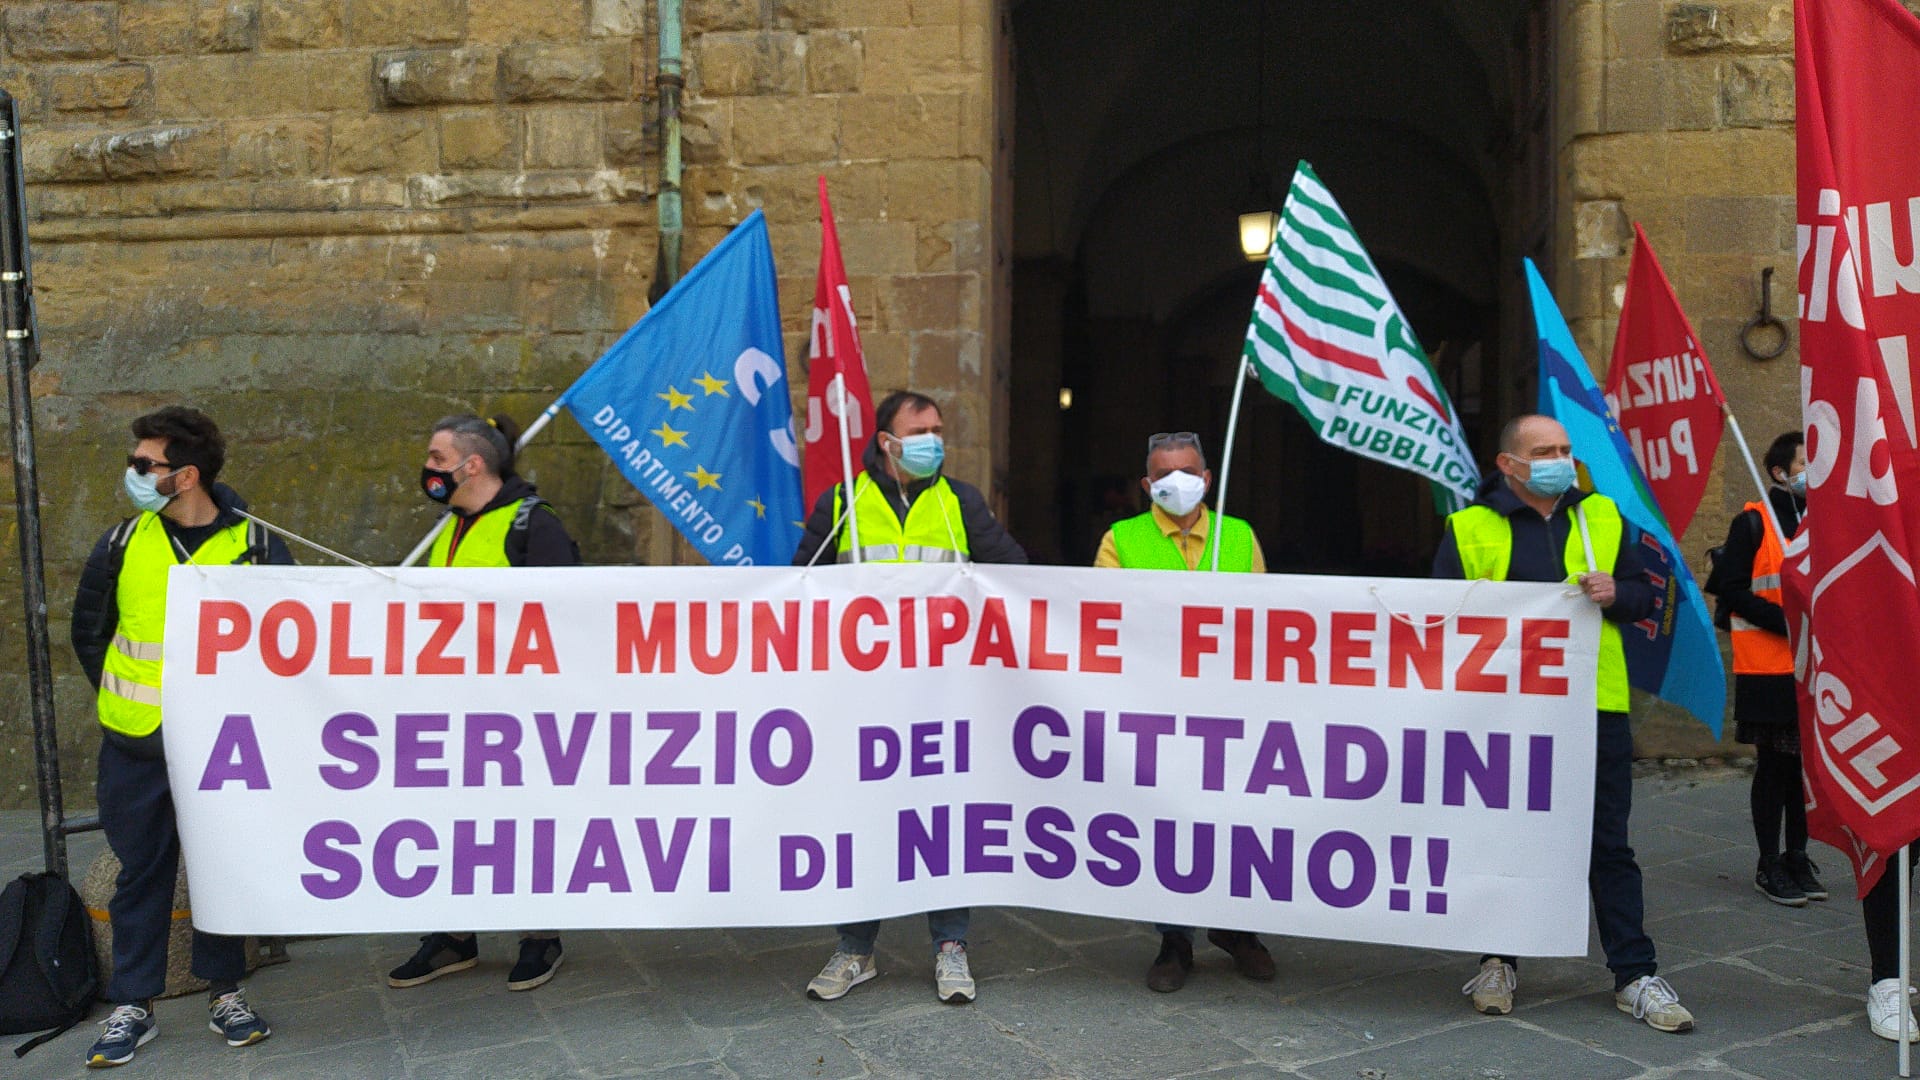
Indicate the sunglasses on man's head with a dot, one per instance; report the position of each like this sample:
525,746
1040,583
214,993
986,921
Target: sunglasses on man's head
1172,438
143,466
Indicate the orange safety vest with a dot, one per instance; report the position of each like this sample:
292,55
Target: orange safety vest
1757,651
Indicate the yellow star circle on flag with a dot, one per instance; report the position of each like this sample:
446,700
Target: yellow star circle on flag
759,508
712,385
668,436
703,478
676,400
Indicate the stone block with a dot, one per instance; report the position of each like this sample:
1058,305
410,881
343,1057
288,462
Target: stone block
1635,30
407,22
276,148
616,18
834,61
157,27
917,60
878,247
1758,92
563,137
175,150
60,31
600,72
1600,229
726,64
900,125
382,144
58,155
805,14
713,195
298,24
1696,27
1743,26
937,191
228,26
109,87
632,135
1617,166
706,132
1693,93
1745,225
1636,96
473,139
776,130
335,83
507,22
871,13
917,302
704,16
437,76
1731,161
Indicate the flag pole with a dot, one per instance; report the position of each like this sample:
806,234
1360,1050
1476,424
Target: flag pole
839,384
1906,956
1226,458
1740,440
526,437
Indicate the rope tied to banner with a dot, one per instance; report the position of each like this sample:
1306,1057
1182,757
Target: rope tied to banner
1431,621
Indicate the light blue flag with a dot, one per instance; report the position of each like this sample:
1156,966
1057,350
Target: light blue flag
1673,653
692,403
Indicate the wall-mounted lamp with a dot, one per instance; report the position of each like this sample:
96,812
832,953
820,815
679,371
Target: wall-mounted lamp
1257,230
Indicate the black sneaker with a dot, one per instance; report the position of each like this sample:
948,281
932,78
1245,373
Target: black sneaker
539,959
128,1028
1803,872
230,1017
1771,880
440,954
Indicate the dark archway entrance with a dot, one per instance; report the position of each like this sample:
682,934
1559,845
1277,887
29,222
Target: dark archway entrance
1141,132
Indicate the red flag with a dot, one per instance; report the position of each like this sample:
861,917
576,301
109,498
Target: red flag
1662,389
1851,603
836,373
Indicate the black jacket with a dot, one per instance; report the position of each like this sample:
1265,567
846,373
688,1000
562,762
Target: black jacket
544,542
1539,550
96,606
987,539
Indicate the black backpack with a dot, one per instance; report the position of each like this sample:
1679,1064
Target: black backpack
48,978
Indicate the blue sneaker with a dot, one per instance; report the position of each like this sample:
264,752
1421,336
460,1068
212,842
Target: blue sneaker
128,1028
230,1016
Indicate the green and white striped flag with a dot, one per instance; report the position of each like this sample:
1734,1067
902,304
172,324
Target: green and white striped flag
1327,337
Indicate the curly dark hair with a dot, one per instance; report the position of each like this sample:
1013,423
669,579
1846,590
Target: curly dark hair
192,439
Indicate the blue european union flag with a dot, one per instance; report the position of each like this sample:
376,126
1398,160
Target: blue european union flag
1672,654
692,403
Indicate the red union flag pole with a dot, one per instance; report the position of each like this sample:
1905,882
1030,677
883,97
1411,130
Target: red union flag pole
1662,389
1852,605
839,404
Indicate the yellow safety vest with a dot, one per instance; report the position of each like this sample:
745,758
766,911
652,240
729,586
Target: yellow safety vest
1485,539
484,540
1141,545
129,698
935,529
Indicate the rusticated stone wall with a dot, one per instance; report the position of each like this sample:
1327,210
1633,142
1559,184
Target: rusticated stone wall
330,222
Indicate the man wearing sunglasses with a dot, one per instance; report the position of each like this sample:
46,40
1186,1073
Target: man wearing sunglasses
184,516
1180,533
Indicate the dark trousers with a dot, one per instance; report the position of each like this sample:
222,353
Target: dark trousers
1880,909
136,812
1613,877
1778,800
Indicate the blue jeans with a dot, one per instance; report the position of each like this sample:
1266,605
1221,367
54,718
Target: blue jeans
944,926
1613,877
136,813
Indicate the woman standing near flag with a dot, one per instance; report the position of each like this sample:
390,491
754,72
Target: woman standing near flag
1764,711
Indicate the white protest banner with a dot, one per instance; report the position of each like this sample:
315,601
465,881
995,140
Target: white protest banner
693,747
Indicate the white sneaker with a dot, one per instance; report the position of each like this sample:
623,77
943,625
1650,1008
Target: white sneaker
1493,988
952,981
843,972
1650,998
1883,1011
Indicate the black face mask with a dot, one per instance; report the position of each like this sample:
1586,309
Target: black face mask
437,483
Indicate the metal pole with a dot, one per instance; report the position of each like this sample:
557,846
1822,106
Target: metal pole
23,352
1906,954
669,82
1766,503
1226,458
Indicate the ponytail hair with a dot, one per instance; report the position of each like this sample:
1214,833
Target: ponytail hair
492,440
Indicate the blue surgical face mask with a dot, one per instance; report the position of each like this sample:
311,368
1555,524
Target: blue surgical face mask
920,456
145,492
1550,477
1797,483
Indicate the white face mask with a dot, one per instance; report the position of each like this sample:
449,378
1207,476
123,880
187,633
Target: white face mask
1178,492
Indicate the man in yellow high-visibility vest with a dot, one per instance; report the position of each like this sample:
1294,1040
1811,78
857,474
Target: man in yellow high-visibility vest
119,616
1179,532
905,510
1530,522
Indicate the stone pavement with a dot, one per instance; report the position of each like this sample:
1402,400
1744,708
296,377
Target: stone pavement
1779,994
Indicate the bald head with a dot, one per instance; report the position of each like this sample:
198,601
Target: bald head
1533,429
